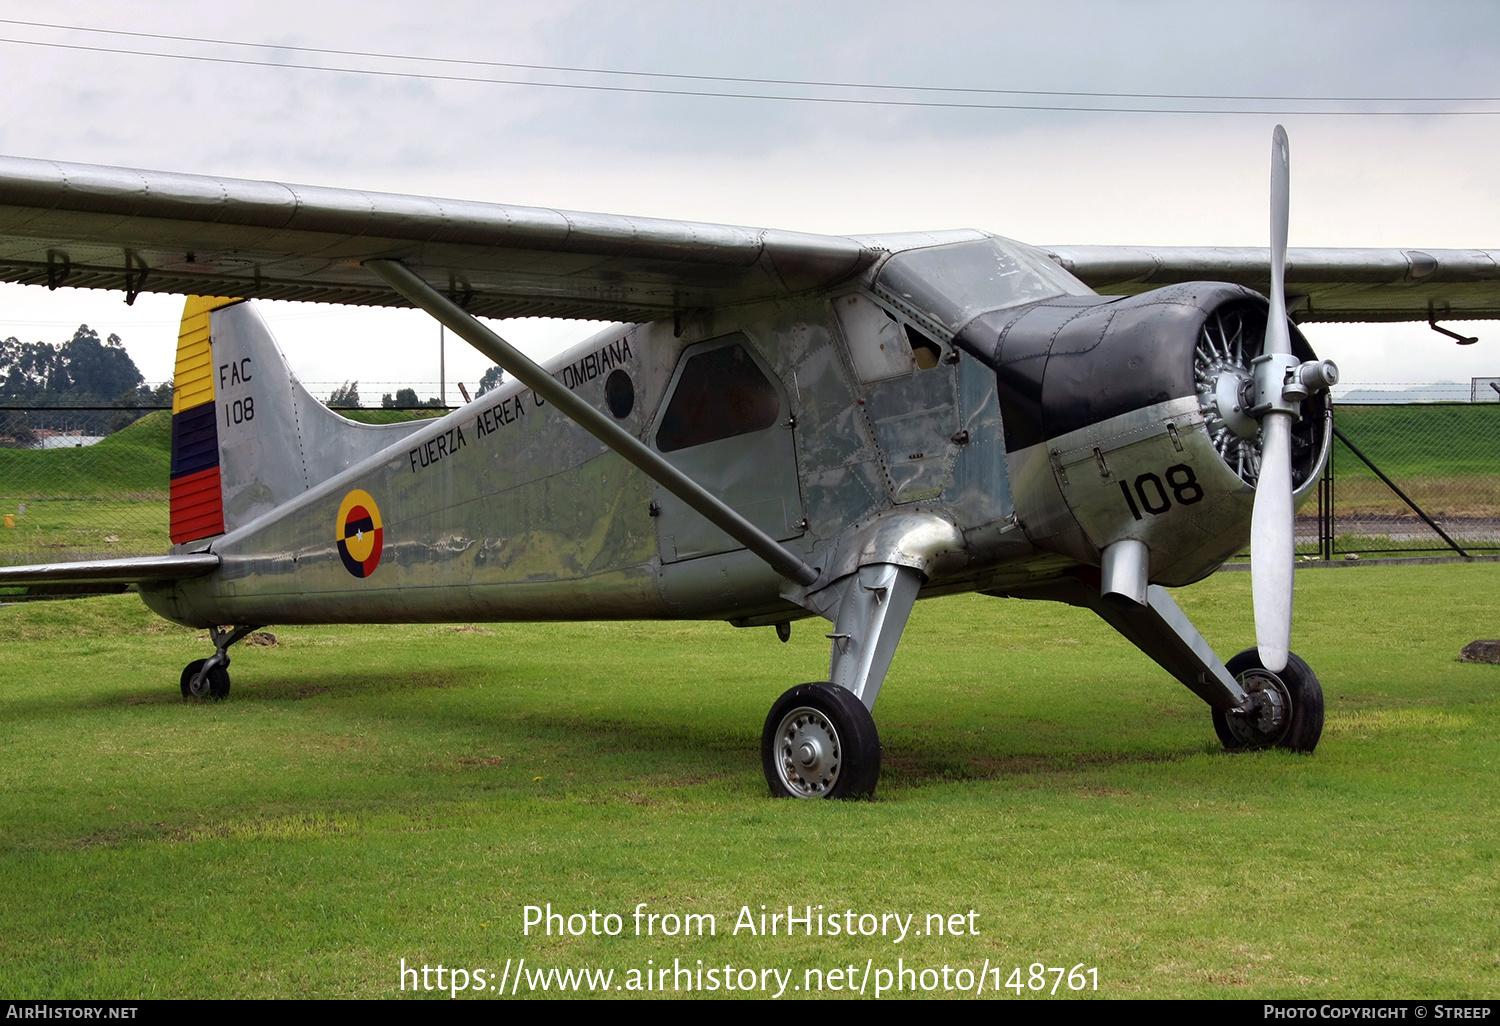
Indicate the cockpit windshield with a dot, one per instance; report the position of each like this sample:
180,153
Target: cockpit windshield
954,283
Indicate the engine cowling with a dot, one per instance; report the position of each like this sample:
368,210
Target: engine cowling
1129,418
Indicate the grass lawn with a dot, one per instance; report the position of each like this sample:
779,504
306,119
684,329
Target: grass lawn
369,794
1446,457
108,499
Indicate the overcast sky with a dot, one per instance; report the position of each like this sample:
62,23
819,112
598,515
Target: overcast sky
1048,177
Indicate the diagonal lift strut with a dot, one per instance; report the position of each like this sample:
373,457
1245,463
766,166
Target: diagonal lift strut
422,295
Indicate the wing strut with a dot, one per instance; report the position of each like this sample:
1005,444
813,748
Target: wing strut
406,282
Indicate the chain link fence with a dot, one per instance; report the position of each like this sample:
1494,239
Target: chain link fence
1405,480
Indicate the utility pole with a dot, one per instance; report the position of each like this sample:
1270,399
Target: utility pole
442,368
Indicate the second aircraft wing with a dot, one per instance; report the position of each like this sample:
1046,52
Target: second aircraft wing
1321,284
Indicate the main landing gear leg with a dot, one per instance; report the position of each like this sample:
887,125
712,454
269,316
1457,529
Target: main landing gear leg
819,739
209,678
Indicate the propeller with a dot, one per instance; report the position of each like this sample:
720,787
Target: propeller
1272,547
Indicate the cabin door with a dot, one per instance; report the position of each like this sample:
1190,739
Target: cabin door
726,424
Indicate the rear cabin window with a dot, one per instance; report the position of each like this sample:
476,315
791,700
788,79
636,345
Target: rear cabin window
721,393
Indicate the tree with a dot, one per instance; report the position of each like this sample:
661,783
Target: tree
82,369
29,369
15,431
490,381
406,399
346,396
161,395
101,370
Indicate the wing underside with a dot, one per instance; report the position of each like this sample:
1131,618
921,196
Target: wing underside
148,231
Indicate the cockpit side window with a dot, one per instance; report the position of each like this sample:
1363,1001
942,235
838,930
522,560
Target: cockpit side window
924,350
721,393
881,344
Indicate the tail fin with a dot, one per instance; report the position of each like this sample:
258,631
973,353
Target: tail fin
246,436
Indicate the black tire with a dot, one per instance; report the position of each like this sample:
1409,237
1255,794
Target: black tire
1298,684
190,671
836,732
218,680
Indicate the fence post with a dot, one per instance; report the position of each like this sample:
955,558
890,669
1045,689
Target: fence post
1325,499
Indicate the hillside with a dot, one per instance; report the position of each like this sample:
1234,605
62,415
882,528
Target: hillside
133,462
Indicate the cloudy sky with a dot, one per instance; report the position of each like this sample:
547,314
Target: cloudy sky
494,111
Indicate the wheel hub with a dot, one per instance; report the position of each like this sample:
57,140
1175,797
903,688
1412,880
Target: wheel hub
808,753
1267,714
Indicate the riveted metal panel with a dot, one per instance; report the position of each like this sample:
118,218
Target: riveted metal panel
979,490
915,418
1153,475
503,509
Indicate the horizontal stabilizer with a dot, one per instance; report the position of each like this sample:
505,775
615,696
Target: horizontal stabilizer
139,570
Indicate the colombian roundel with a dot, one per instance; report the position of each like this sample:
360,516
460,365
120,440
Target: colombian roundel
359,533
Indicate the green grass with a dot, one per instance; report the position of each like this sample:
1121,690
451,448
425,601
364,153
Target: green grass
135,461
369,794
52,530
377,415
1446,457
107,499
1461,440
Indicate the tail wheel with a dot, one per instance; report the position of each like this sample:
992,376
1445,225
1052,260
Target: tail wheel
1288,712
197,684
820,742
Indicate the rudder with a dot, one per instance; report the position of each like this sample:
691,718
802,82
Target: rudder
197,502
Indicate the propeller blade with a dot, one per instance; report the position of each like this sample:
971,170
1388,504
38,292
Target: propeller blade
1272,545
1272,552
1278,340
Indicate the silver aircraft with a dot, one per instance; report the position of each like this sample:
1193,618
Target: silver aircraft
782,425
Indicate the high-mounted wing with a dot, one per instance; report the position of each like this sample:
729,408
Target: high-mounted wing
1321,284
151,231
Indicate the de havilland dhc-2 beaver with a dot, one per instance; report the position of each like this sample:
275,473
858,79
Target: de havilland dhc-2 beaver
781,425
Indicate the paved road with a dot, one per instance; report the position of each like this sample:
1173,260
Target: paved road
1478,530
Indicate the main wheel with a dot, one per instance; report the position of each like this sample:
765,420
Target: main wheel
1289,713
820,742
196,684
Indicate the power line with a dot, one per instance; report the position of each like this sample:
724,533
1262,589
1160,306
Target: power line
741,80
722,95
